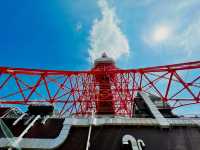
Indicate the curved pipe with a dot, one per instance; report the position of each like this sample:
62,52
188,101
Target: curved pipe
36,143
127,139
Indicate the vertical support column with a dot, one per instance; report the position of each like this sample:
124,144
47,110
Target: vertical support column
104,104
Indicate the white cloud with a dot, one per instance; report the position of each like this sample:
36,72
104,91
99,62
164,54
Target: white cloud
106,35
173,27
189,38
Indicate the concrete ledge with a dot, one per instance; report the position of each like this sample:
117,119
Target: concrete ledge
131,121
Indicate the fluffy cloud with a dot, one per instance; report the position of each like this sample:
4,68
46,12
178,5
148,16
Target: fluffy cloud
106,35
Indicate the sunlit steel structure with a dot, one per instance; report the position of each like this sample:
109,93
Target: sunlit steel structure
105,89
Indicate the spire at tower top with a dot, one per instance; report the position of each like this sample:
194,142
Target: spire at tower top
104,55
104,59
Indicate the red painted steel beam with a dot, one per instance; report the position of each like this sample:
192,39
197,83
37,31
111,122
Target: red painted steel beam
77,92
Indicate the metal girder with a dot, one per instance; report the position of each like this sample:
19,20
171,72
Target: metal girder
77,92
156,113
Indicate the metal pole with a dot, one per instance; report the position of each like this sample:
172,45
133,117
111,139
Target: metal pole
90,130
88,139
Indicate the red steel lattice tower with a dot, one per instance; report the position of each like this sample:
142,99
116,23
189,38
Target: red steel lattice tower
105,89
104,103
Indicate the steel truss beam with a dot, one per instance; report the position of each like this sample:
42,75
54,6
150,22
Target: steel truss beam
77,92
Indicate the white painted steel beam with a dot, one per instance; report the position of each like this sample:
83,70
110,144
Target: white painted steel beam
154,110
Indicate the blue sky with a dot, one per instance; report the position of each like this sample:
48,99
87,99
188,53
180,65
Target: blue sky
67,35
